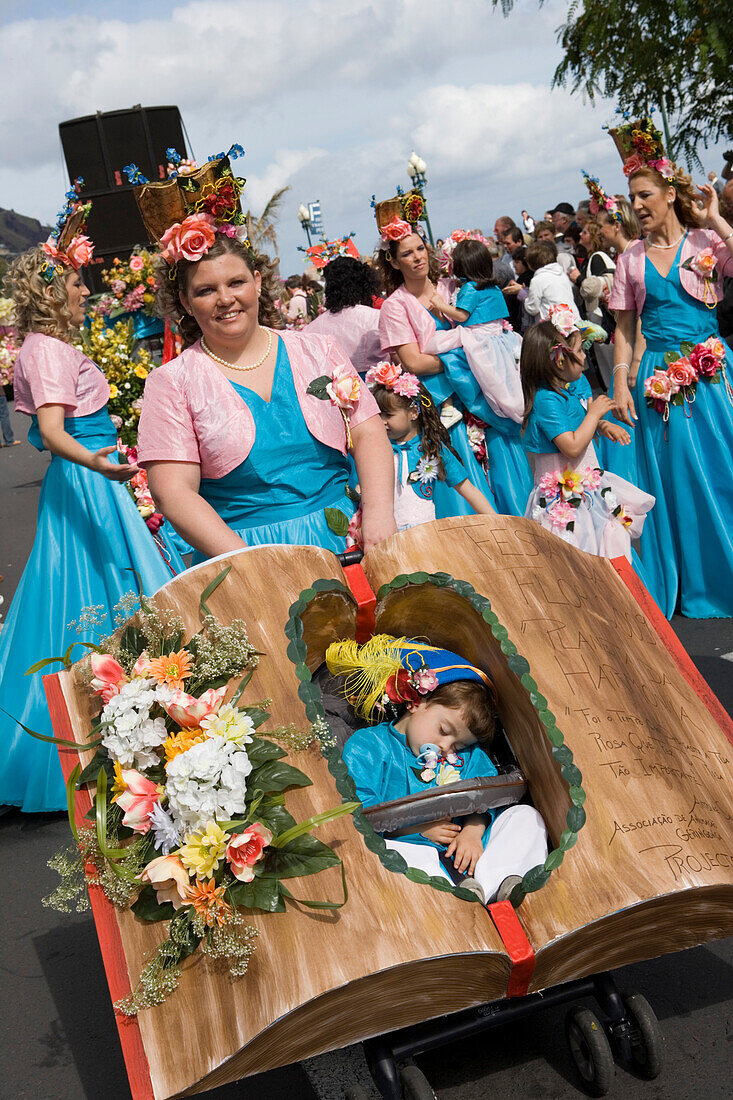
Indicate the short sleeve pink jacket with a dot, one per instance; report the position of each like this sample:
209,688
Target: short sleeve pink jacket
51,372
192,413
404,320
629,290
356,329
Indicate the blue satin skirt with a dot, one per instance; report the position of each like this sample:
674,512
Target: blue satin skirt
89,539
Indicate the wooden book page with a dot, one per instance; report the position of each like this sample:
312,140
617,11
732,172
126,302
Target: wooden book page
652,868
395,954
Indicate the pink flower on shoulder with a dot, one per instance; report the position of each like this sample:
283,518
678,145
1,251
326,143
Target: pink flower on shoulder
344,389
407,385
188,240
396,230
384,374
683,372
704,263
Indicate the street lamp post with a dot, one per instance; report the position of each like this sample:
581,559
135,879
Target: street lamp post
416,169
304,218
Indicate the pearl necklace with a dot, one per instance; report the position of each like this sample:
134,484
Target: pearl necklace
663,247
235,366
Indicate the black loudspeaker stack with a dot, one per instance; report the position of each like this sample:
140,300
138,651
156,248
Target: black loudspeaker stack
97,147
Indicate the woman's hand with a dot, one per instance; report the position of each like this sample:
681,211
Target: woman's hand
623,403
573,274
709,203
512,287
115,471
375,527
441,832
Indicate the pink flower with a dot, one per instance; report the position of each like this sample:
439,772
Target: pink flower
704,361
682,372
549,484
633,164
660,387
246,849
561,514
407,385
51,250
704,263
188,240
344,388
79,252
137,263
459,235
715,345
109,676
117,421
384,374
137,800
118,286
354,539
592,477
169,878
140,668
425,680
154,521
563,318
187,711
396,230
663,166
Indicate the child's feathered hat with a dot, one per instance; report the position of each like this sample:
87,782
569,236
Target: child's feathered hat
183,213
68,246
385,672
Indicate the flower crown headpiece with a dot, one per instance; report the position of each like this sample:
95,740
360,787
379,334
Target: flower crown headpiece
599,200
397,218
640,145
320,255
68,246
563,318
445,255
393,377
184,213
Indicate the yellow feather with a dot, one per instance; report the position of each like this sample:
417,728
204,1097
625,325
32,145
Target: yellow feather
367,668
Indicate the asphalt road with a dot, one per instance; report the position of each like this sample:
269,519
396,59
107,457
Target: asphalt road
58,1038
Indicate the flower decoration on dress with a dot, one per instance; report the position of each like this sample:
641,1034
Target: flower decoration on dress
599,200
476,431
343,389
68,246
185,817
562,492
704,264
640,144
425,471
677,384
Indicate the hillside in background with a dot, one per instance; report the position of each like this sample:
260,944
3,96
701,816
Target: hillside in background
18,232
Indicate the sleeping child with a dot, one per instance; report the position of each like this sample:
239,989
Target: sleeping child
439,715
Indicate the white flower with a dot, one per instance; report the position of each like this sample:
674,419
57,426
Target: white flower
610,499
167,836
208,782
230,723
426,469
163,694
537,513
132,736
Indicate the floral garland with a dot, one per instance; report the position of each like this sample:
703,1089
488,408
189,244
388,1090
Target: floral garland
599,200
138,487
189,824
476,431
132,286
562,494
406,687
678,383
643,146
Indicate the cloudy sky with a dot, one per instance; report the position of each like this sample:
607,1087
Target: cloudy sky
329,97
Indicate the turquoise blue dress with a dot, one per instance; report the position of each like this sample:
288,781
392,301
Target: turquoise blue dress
280,492
509,470
686,463
438,492
384,767
89,541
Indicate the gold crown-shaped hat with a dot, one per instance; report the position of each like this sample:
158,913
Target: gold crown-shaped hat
409,207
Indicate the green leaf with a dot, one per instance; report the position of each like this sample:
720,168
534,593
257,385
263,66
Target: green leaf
686,347
133,640
242,685
319,904
60,741
258,715
260,751
535,879
148,908
276,776
554,859
337,521
572,775
575,818
99,760
562,754
317,387
577,795
568,839
303,856
42,664
670,357
276,818
260,893
313,822
211,588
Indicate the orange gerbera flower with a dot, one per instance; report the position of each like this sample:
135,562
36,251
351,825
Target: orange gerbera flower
181,742
172,669
208,900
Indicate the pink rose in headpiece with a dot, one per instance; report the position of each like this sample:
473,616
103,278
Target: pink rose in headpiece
633,164
49,247
664,167
407,385
384,374
594,207
79,252
397,230
188,240
563,318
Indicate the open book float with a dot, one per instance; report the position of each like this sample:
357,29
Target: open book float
625,751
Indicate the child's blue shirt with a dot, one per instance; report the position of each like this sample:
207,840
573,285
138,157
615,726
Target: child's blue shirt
481,305
555,412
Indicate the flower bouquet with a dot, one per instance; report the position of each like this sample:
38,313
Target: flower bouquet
9,349
132,285
684,369
125,366
188,823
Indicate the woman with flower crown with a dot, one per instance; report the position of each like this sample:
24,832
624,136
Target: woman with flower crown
246,435
91,541
683,413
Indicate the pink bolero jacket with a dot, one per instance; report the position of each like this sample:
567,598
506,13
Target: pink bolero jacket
403,320
192,413
51,372
628,290
356,329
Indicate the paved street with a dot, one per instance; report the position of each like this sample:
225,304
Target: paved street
58,1038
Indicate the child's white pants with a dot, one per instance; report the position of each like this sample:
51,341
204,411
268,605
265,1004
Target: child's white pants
517,842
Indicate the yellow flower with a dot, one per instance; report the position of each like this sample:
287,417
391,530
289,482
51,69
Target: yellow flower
203,852
447,774
141,372
182,742
570,483
119,786
229,722
113,391
208,900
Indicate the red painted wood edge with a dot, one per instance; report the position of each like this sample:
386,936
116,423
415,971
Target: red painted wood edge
674,646
518,947
108,933
366,601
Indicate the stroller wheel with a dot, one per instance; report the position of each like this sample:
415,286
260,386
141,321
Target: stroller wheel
415,1085
590,1050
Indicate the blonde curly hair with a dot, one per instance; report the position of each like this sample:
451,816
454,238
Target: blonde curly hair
629,222
168,302
40,306
685,202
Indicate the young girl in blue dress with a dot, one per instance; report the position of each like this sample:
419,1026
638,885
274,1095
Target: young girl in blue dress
431,481
573,497
439,716
480,361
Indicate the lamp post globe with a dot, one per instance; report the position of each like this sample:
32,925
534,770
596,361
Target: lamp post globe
416,170
304,218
